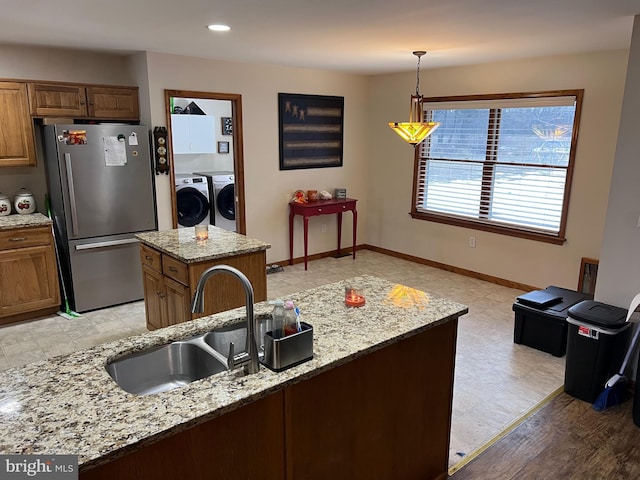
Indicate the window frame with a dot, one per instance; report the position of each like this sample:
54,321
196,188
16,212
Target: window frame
478,224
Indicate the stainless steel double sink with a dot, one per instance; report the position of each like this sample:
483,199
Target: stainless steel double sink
178,363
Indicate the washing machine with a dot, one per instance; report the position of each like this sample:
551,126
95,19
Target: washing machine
222,192
192,200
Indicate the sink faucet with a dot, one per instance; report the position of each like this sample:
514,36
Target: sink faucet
248,358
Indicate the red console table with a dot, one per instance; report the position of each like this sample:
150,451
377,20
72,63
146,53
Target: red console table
321,207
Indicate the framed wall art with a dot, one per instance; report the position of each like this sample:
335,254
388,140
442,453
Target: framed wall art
223,147
227,125
311,131
588,276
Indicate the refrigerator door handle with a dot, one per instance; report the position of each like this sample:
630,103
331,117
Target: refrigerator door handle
72,195
111,243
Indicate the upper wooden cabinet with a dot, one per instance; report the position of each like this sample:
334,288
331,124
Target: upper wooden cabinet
17,145
79,101
60,100
113,102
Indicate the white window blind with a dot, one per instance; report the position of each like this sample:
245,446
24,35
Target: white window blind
502,162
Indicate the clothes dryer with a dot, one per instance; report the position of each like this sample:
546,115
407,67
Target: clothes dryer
222,192
192,200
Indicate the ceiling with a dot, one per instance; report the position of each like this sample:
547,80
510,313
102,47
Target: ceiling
360,36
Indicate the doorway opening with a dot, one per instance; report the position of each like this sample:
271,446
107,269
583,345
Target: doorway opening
205,139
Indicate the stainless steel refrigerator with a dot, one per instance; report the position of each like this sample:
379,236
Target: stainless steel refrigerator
101,193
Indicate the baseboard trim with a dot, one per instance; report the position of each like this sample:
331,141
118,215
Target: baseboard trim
344,252
423,261
506,431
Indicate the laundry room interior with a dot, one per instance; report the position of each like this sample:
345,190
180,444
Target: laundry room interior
202,142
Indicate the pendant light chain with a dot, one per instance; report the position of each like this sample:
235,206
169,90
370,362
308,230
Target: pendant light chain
418,54
418,79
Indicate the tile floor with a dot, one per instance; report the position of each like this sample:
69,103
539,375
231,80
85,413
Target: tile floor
496,380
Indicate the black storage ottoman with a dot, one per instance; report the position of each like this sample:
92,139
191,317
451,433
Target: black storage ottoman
541,318
596,345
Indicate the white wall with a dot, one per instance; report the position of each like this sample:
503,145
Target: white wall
389,225
267,189
619,270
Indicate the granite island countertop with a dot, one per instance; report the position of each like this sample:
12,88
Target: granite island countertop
181,244
70,405
31,220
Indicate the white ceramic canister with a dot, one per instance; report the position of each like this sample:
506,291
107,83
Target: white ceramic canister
5,205
23,202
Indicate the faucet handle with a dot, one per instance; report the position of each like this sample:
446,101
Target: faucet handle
234,361
231,364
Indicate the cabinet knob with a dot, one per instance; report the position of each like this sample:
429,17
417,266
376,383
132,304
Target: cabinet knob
18,239
147,257
160,294
173,269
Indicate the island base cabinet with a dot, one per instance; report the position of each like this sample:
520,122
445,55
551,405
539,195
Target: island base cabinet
166,302
384,415
247,443
169,285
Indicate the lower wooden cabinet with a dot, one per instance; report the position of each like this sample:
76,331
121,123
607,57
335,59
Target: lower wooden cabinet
244,444
169,285
28,274
167,302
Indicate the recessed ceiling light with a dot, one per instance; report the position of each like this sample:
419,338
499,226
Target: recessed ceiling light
219,28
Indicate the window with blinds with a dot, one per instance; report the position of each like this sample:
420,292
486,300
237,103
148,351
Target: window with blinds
501,163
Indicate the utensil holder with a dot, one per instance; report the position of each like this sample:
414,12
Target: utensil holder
286,352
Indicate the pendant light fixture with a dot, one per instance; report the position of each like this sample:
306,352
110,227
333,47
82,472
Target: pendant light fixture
415,130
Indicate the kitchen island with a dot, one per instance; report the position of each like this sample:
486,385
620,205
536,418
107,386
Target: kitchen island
373,402
173,260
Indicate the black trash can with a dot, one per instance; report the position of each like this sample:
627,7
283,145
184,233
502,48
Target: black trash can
541,318
596,342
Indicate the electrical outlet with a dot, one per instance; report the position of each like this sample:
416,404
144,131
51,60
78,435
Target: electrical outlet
472,242
324,227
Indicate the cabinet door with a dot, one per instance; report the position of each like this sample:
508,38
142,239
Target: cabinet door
113,103
193,134
28,280
153,297
178,302
54,99
17,142
202,136
180,134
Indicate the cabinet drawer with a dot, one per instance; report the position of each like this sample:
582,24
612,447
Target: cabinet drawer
150,258
175,269
24,237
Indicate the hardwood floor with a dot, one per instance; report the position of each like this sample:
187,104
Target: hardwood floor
566,439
